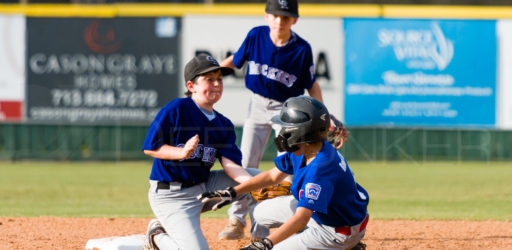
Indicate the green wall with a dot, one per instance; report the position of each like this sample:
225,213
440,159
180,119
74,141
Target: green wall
123,143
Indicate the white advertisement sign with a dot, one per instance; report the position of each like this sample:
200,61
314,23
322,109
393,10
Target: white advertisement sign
12,67
504,103
221,36
12,58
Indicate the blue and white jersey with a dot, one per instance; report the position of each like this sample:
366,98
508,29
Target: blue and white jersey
326,186
174,125
275,72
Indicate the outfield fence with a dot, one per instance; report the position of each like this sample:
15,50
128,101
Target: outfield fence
123,143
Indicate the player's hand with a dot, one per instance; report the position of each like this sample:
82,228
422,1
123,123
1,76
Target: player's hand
190,146
264,244
221,197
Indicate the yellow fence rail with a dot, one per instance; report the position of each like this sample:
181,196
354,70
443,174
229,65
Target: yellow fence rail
311,10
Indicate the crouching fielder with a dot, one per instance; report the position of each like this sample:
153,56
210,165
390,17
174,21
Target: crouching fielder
328,208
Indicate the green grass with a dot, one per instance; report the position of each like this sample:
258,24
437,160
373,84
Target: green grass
398,190
442,190
74,189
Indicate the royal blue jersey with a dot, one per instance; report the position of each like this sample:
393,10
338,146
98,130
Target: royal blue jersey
275,72
327,186
174,125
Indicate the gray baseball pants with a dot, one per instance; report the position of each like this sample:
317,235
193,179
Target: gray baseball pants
273,213
178,209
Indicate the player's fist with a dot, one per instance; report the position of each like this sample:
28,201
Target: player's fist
190,146
221,197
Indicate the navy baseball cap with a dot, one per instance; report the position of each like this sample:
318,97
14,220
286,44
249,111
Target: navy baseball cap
283,7
203,64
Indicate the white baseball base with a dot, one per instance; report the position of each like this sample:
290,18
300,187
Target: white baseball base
130,242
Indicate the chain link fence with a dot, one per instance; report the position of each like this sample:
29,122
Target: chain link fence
123,143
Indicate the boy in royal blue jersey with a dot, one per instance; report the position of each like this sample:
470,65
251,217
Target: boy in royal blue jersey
279,66
185,139
327,208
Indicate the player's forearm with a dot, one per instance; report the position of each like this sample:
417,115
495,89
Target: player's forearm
238,174
228,62
167,152
257,182
235,171
264,179
316,92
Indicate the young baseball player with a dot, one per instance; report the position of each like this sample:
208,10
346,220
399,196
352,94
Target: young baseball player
327,208
185,139
280,66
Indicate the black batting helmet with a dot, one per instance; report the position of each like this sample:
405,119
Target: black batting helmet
303,119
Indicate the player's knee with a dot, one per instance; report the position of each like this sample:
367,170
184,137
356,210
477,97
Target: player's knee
261,212
258,212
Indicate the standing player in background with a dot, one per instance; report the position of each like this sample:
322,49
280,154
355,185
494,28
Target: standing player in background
280,66
327,208
185,139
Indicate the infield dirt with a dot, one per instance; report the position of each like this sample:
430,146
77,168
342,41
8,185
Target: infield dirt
73,233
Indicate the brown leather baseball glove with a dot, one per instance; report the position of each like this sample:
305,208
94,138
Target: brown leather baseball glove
337,134
280,189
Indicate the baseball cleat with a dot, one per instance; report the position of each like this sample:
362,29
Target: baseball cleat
154,228
233,231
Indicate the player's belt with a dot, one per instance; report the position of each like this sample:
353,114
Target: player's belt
167,185
347,231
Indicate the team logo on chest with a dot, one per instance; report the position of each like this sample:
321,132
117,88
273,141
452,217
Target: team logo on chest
271,73
313,191
206,154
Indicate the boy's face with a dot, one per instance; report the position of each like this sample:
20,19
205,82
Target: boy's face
208,88
301,150
280,24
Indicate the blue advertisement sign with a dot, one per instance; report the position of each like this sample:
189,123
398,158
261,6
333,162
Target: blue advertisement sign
402,72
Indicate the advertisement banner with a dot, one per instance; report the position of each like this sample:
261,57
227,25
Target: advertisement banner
505,72
225,35
101,70
420,72
12,67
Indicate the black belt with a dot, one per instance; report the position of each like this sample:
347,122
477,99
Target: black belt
167,185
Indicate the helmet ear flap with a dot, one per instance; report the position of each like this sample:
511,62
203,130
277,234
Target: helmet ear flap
282,144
